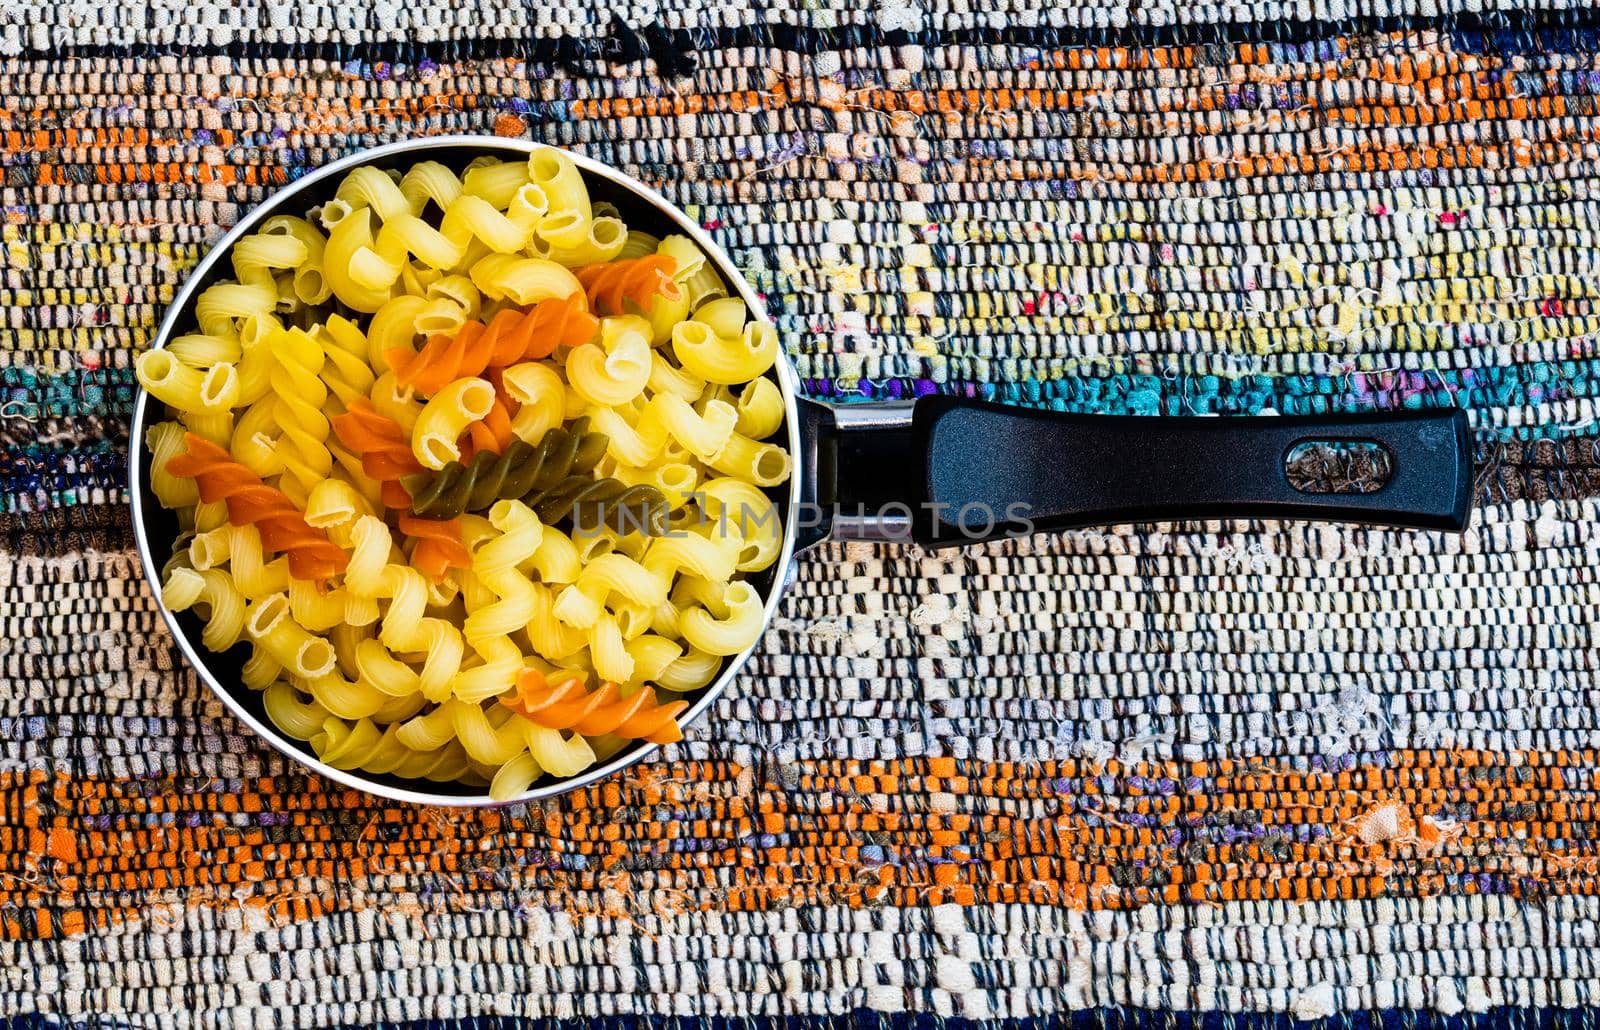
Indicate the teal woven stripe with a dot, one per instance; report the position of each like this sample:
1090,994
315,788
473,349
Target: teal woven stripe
110,393
104,392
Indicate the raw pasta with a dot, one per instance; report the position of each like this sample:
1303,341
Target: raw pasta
556,479
489,527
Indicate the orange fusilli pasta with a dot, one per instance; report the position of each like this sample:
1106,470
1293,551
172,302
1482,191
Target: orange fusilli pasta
383,446
510,337
637,280
250,501
439,548
566,705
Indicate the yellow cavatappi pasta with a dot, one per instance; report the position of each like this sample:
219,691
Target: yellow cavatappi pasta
761,409
255,357
738,358
562,183
575,244
737,508
391,669
396,402
666,377
732,630
725,317
394,325
239,548
675,479
334,505
638,244
704,286
215,589
258,256
221,307
691,672
373,188
349,261
202,352
184,387
666,417
614,371
290,644
687,257
764,464
310,285
165,440
497,182
406,626
541,399
405,237
362,744
430,181
506,603
299,719
446,416
523,280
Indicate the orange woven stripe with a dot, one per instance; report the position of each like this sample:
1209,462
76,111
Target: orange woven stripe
908,833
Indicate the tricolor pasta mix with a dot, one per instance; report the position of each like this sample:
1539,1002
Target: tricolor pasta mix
473,470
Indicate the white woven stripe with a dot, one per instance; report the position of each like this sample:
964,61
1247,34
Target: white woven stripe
1199,646
40,25
1474,642
1309,959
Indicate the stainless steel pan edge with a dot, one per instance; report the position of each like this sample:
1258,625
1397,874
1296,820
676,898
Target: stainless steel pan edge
284,201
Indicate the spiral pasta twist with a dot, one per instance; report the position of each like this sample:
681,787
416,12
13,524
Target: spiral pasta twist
385,452
510,337
250,501
346,371
566,705
613,284
362,744
297,395
439,548
609,502
406,625
383,446
521,471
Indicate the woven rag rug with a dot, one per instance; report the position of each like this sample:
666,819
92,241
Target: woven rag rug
1234,774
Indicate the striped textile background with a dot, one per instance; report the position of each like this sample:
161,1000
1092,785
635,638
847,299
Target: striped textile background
1235,775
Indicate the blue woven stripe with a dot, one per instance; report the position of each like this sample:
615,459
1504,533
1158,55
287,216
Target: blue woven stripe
39,477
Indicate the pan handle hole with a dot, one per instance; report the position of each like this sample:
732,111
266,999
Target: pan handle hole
1338,466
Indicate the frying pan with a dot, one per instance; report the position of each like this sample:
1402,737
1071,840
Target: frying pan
940,471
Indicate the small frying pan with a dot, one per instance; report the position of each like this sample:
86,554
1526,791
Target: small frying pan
942,471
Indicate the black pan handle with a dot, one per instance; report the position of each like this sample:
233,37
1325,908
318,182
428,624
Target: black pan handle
951,471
